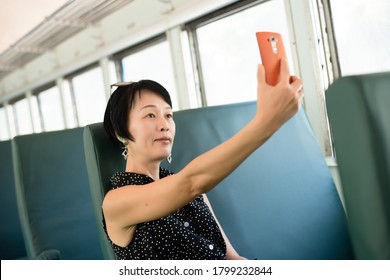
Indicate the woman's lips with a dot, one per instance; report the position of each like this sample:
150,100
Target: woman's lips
165,140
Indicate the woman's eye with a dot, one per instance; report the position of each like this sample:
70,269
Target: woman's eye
150,115
170,116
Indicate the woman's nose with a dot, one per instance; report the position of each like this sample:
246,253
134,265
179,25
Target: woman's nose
164,125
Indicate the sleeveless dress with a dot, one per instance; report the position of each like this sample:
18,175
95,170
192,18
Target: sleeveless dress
189,233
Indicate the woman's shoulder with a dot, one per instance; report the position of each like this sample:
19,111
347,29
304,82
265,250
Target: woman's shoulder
117,178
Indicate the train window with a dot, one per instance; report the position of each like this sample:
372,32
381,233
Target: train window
362,34
50,107
90,98
4,130
153,62
22,117
229,53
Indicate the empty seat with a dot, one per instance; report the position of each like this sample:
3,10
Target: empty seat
359,114
11,237
55,202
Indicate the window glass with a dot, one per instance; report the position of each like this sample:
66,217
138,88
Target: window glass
22,116
89,96
4,131
51,109
153,63
229,51
362,31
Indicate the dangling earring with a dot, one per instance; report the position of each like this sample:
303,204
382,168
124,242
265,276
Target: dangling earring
125,152
169,158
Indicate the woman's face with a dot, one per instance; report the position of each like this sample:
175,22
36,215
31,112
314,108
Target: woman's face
152,127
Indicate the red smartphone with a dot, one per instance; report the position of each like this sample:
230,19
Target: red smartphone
271,51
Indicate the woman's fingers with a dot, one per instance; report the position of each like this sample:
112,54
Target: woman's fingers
296,83
297,86
260,74
284,71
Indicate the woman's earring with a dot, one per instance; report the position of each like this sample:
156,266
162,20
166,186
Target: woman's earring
125,152
169,158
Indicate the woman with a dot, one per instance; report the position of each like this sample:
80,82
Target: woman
151,213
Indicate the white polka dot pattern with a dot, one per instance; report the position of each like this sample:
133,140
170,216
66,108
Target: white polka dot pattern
189,233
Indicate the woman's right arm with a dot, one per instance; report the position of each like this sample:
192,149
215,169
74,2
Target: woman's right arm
131,205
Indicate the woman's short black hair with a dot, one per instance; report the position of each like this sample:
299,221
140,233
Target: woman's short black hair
116,116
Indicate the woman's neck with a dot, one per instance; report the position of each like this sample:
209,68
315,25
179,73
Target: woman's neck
151,169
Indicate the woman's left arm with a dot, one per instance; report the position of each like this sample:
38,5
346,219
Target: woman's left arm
231,253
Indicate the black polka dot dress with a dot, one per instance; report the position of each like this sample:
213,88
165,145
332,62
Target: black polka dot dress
189,233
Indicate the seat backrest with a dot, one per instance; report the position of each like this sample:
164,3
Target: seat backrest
281,203
11,237
103,159
52,188
359,114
